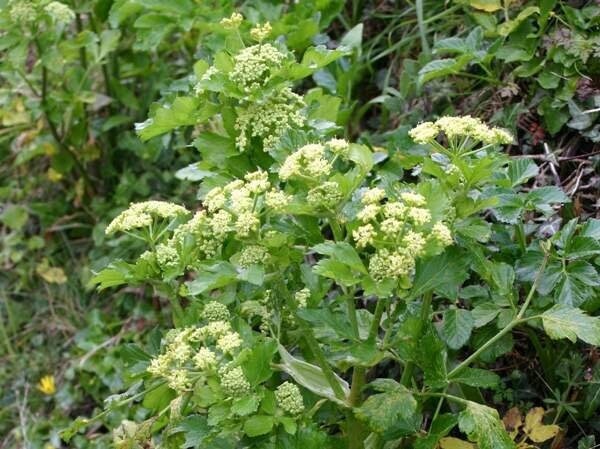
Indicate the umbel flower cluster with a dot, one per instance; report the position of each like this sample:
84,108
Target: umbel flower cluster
141,215
264,112
459,128
400,230
193,357
27,11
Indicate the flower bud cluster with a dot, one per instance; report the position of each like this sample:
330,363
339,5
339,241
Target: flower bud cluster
254,66
460,127
270,119
215,311
191,354
140,215
400,230
307,162
60,13
289,398
233,22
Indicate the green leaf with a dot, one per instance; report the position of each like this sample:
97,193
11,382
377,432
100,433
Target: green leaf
562,321
245,405
394,411
185,111
258,425
511,25
592,394
14,216
482,425
194,428
484,313
310,376
257,367
342,252
486,5
476,377
431,357
443,67
521,170
111,276
212,277
456,328
445,272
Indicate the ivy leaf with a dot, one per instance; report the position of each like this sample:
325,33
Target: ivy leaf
391,412
457,327
562,321
483,426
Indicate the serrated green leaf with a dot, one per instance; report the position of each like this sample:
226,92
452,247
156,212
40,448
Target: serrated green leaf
521,170
392,411
258,425
476,377
482,425
184,111
194,428
562,321
456,328
443,67
447,271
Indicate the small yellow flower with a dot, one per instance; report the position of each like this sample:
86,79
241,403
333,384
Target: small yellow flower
46,385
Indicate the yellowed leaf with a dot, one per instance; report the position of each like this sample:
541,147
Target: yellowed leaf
455,443
52,275
535,429
486,5
543,433
533,418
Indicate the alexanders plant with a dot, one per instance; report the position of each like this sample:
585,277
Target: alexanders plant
317,304
318,278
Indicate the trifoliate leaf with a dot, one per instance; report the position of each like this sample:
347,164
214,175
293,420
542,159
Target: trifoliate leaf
562,321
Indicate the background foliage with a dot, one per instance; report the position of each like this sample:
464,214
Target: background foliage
71,91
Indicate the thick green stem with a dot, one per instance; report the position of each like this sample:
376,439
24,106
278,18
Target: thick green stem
351,307
407,374
379,309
